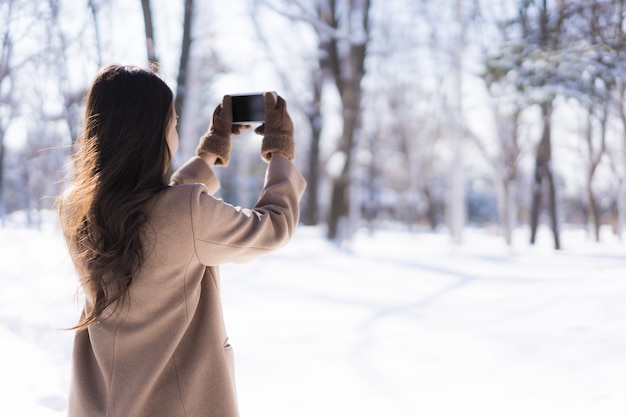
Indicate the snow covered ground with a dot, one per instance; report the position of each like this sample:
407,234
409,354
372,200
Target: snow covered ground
396,324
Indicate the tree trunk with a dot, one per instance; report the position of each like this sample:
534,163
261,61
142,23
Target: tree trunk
6,54
431,211
338,208
508,210
311,212
619,210
93,8
456,198
535,209
348,73
593,211
510,166
594,160
542,159
181,81
153,61
456,193
340,205
554,221
595,155
2,206
543,175
622,194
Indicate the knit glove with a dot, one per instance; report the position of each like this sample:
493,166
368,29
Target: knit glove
217,139
277,130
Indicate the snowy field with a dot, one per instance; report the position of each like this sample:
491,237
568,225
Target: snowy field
396,324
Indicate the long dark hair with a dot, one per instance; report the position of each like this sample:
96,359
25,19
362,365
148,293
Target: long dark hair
120,163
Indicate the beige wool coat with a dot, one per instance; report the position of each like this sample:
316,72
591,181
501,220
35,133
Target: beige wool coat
165,351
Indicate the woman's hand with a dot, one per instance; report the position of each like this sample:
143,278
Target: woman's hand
277,129
214,146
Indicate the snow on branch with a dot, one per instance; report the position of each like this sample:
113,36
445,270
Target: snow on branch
355,34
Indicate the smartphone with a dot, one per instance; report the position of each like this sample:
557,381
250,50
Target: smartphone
248,108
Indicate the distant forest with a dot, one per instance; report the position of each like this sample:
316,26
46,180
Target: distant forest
409,113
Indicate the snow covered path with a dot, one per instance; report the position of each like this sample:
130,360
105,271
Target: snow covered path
397,324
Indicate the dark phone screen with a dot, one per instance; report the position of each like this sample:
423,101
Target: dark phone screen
248,108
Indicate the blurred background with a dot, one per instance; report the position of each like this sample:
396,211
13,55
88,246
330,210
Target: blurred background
468,155
410,113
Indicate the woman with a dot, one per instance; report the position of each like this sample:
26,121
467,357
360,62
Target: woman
151,340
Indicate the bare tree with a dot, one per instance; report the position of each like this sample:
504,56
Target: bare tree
505,159
508,132
456,203
592,30
342,29
309,104
6,107
183,64
595,151
621,111
619,101
547,31
344,37
153,61
398,163
537,35
603,29
185,51
564,49
544,177
71,94
94,9
313,113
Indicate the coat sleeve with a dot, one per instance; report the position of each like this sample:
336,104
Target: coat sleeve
195,170
224,233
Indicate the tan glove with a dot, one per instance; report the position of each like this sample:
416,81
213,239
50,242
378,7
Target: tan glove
217,139
277,129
